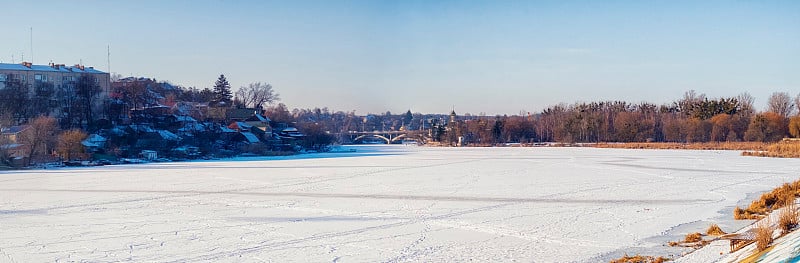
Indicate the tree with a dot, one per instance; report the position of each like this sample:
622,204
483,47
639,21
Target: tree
780,103
86,90
316,137
256,95
69,144
766,127
222,91
279,113
40,103
794,126
14,99
746,107
40,137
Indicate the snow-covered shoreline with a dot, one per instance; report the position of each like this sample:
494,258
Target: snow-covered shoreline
380,203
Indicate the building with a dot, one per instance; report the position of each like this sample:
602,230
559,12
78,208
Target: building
61,78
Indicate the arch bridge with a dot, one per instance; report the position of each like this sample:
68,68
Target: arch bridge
389,137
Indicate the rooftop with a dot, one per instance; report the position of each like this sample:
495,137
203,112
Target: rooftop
27,66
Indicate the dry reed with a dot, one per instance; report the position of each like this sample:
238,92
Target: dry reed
763,234
715,230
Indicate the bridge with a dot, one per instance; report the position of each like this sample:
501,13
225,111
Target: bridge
387,136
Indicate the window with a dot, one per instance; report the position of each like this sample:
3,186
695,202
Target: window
3,77
37,77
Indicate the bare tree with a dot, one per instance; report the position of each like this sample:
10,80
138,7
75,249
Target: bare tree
746,104
256,95
40,137
780,103
14,99
797,103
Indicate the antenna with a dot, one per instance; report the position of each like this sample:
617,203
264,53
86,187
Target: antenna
109,59
31,44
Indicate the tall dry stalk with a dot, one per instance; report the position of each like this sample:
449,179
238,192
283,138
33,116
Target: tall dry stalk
763,234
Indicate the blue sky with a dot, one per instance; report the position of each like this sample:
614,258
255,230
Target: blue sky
495,57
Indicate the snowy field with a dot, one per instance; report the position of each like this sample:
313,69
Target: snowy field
379,204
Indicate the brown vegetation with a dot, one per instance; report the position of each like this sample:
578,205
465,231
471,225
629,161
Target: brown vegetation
784,149
639,259
763,235
693,237
715,230
738,146
69,144
788,218
769,201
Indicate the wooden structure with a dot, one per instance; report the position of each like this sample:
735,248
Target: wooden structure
740,240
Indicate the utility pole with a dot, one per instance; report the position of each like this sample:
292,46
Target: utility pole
31,44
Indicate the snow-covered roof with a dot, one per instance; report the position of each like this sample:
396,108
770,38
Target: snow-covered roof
46,68
226,129
258,117
10,146
86,143
251,138
166,135
96,138
184,118
240,125
15,129
192,126
141,128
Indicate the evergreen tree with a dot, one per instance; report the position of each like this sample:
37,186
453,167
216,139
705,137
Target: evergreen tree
222,91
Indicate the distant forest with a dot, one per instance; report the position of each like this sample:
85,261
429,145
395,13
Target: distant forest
693,118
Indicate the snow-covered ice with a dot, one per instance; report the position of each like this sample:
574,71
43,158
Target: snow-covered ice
380,203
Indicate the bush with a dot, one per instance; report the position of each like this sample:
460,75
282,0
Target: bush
788,218
763,234
639,259
769,201
715,230
693,237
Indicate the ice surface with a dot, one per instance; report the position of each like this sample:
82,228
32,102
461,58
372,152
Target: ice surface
378,204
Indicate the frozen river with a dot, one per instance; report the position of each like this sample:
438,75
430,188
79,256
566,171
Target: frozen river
378,204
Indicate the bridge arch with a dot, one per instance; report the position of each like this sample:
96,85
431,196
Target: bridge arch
359,138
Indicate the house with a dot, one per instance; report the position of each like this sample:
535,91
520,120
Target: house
13,134
94,143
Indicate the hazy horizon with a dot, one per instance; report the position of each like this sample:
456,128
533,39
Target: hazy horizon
477,56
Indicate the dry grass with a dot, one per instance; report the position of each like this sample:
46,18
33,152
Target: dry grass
769,201
763,235
782,149
788,218
738,146
715,230
639,259
693,237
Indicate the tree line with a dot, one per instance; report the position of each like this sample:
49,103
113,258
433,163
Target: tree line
693,118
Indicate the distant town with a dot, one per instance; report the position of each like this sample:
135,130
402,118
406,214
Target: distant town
78,115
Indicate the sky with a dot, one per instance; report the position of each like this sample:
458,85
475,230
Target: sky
490,57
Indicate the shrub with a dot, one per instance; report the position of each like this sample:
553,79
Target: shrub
693,237
769,201
639,259
738,213
763,234
715,230
788,218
